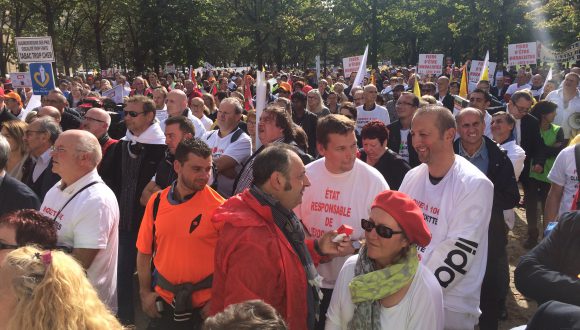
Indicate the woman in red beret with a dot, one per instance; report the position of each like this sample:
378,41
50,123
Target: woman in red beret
385,286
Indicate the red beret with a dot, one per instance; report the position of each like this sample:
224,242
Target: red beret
407,214
307,89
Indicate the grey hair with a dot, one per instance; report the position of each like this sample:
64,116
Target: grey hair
49,125
89,144
235,102
4,152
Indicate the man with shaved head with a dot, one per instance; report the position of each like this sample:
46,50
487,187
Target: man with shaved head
177,106
85,211
49,111
537,86
97,121
370,110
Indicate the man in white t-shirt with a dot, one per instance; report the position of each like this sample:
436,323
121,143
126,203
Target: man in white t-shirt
230,146
85,211
177,106
341,192
159,97
568,100
522,82
370,110
456,200
564,185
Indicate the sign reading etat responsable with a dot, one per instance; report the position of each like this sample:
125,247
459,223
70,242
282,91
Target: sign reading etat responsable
34,49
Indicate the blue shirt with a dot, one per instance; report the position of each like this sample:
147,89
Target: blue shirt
480,158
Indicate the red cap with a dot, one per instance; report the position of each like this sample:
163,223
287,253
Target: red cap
307,89
407,214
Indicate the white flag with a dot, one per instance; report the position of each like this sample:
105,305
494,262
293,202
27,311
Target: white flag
260,101
362,69
548,78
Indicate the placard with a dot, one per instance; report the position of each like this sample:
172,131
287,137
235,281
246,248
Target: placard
34,50
351,64
430,64
475,70
20,79
42,78
522,54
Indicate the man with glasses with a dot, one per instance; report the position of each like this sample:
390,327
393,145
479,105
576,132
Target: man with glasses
456,200
370,110
14,195
70,118
230,146
85,211
97,122
132,163
37,170
400,139
358,97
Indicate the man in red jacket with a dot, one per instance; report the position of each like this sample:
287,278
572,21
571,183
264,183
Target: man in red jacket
262,252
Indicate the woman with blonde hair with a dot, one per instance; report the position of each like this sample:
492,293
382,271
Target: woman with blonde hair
45,290
14,131
315,104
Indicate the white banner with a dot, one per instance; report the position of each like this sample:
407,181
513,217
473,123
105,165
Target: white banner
20,79
362,69
115,94
475,70
260,101
522,54
351,64
34,50
430,64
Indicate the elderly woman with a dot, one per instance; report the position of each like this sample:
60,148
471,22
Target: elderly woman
315,104
46,290
385,286
14,131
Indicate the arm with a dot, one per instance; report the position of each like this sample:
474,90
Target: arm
553,202
226,166
85,256
235,153
149,190
537,275
506,194
147,295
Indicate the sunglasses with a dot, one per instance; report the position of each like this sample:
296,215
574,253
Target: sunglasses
4,246
383,231
133,113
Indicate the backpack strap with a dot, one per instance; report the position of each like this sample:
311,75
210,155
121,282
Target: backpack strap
577,158
155,210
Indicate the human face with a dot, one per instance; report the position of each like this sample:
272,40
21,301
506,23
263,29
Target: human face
500,129
549,88
404,106
139,124
76,92
227,117
549,118
442,84
483,86
294,183
193,174
94,123
499,82
370,95
521,78
138,84
477,100
453,89
7,237
384,251
37,140
471,129
158,99
571,82
252,127
55,100
268,131
313,100
396,94
173,135
176,103
520,108
197,107
152,80
332,99
429,143
374,148
359,98
339,153
13,145
537,80
66,160
12,105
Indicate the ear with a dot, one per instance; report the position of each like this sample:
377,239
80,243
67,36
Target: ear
321,149
277,181
187,136
450,134
177,166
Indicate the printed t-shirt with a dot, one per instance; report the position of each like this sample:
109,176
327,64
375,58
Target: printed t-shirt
336,199
89,221
457,211
185,240
363,116
240,151
564,174
404,148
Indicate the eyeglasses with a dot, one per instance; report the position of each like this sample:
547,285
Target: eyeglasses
4,246
57,150
521,109
132,113
29,132
382,230
94,119
405,103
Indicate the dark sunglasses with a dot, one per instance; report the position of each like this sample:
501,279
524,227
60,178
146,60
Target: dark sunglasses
4,246
383,231
133,113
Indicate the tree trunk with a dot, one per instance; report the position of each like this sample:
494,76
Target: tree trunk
374,36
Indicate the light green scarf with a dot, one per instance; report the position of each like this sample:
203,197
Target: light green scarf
369,286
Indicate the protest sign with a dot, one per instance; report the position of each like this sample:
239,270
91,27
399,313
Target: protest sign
522,54
42,78
115,94
35,49
475,70
20,79
430,64
351,64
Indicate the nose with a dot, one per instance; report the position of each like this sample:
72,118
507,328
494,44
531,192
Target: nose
306,181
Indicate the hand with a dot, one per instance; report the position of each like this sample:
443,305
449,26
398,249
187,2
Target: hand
148,303
538,168
332,249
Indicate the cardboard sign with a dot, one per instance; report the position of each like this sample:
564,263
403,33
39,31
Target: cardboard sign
430,64
522,54
42,78
475,70
34,50
20,79
351,64
115,94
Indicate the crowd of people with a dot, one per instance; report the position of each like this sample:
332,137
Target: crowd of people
334,206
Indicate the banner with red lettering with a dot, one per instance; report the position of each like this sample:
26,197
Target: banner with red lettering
475,70
351,64
522,54
430,64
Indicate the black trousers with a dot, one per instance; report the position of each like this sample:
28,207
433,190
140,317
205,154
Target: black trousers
168,322
493,290
536,191
326,295
125,270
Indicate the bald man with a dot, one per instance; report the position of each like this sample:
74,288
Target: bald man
97,121
50,112
87,226
177,106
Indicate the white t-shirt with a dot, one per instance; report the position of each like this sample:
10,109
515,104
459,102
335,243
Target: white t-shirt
333,200
517,155
457,211
562,113
563,173
378,113
207,123
197,125
404,148
89,221
514,88
162,115
240,151
421,308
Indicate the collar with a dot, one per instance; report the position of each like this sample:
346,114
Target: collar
266,199
173,200
478,153
103,139
43,158
152,135
83,181
373,108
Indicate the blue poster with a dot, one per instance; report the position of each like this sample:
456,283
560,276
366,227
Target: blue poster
42,78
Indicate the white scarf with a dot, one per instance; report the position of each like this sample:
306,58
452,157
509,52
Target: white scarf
152,135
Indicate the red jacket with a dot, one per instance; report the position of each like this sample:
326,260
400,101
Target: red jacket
254,260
